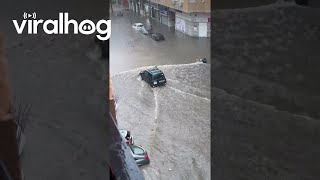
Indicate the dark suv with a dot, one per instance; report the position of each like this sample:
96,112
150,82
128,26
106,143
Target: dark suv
157,37
154,77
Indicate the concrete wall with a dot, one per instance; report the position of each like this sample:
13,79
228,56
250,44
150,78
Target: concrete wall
171,18
191,21
169,3
198,6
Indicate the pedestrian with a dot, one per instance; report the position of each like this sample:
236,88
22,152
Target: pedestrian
204,60
9,151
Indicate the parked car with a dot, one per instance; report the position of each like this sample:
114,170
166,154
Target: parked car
203,60
157,37
154,77
145,31
119,14
137,26
139,154
126,135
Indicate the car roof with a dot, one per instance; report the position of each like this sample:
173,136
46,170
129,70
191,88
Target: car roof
154,71
138,23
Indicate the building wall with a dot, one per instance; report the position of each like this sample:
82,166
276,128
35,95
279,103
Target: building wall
112,102
188,23
171,18
187,5
185,15
199,5
172,4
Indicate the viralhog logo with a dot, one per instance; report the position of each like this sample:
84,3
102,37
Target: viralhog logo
61,26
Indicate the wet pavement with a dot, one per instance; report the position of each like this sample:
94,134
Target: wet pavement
130,49
172,122
162,119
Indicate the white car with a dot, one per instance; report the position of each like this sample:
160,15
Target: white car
137,26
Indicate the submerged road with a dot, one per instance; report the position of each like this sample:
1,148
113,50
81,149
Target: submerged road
172,122
130,49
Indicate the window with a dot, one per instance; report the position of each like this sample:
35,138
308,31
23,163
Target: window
149,75
137,151
158,76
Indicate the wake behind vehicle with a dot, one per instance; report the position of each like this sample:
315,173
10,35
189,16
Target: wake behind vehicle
157,37
137,26
154,77
140,155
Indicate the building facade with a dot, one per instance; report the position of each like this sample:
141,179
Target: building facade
191,17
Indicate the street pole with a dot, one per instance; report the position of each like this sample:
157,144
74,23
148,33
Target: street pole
150,15
130,11
130,16
111,6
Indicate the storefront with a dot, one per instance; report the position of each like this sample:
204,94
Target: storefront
171,17
125,3
134,5
163,15
154,11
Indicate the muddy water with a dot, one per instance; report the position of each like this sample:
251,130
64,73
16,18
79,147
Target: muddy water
130,49
172,123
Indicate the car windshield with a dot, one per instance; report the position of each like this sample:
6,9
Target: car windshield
137,150
140,25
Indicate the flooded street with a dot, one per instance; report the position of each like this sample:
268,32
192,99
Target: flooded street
130,49
172,122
